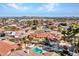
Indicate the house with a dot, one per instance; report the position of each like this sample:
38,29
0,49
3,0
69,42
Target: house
39,35
48,35
10,33
6,47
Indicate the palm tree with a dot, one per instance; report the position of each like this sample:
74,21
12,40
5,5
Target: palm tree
78,43
25,41
30,39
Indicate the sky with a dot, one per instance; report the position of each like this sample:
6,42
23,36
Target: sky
39,9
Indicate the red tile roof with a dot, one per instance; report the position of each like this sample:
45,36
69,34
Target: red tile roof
1,29
39,35
44,35
6,47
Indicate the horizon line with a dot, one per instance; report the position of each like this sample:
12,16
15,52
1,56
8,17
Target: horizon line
39,16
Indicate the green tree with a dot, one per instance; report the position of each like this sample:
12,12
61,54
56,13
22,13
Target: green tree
35,22
4,21
29,23
70,33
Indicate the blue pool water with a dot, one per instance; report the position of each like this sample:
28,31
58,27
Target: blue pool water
37,50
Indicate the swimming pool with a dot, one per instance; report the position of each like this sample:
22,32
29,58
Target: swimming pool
37,50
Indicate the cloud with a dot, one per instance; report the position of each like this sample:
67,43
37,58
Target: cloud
76,11
17,6
48,7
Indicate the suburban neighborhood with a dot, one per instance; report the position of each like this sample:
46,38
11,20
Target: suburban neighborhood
39,36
